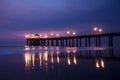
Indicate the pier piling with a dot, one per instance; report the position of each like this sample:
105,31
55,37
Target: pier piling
72,41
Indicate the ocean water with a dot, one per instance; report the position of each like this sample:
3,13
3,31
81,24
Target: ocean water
59,63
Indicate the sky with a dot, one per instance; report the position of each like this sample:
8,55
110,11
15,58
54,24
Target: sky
19,17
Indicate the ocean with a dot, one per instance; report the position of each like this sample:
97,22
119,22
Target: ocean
59,63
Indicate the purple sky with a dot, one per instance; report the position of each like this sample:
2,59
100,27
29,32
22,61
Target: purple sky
18,17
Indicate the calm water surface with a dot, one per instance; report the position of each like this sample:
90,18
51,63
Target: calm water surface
55,63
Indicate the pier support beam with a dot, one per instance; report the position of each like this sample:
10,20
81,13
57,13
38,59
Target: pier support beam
89,43
56,42
99,41
69,42
80,42
110,41
76,42
27,42
63,42
40,42
73,43
111,52
86,42
44,42
48,43
52,43
66,43
96,42
59,42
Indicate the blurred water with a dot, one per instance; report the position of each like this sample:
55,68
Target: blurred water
59,63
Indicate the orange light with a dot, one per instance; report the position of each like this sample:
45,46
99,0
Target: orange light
58,60
46,36
74,51
52,60
40,57
97,64
27,48
102,64
68,58
45,56
27,58
33,36
51,34
100,30
40,35
33,59
74,33
74,59
57,34
95,29
27,36
68,32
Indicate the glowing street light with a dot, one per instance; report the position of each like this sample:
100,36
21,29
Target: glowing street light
27,36
39,35
95,29
68,32
74,33
57,35
51,34
46,36
100,30
32,35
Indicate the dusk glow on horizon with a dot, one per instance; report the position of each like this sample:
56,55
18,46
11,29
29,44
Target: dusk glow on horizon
18,18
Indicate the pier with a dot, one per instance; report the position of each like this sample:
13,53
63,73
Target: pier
71,41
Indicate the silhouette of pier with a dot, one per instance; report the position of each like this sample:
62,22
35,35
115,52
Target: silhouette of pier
71,41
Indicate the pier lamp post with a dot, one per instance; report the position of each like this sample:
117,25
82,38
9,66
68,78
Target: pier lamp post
57,35
74,33
40,35
45,41
68,33
27,36
100,30
57,42
32,36
68,40
51,34
95,29
46,36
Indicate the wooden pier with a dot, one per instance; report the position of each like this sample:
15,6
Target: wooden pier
72,41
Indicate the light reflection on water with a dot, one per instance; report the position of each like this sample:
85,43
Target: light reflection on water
59,63
100,63
45,57
69,56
